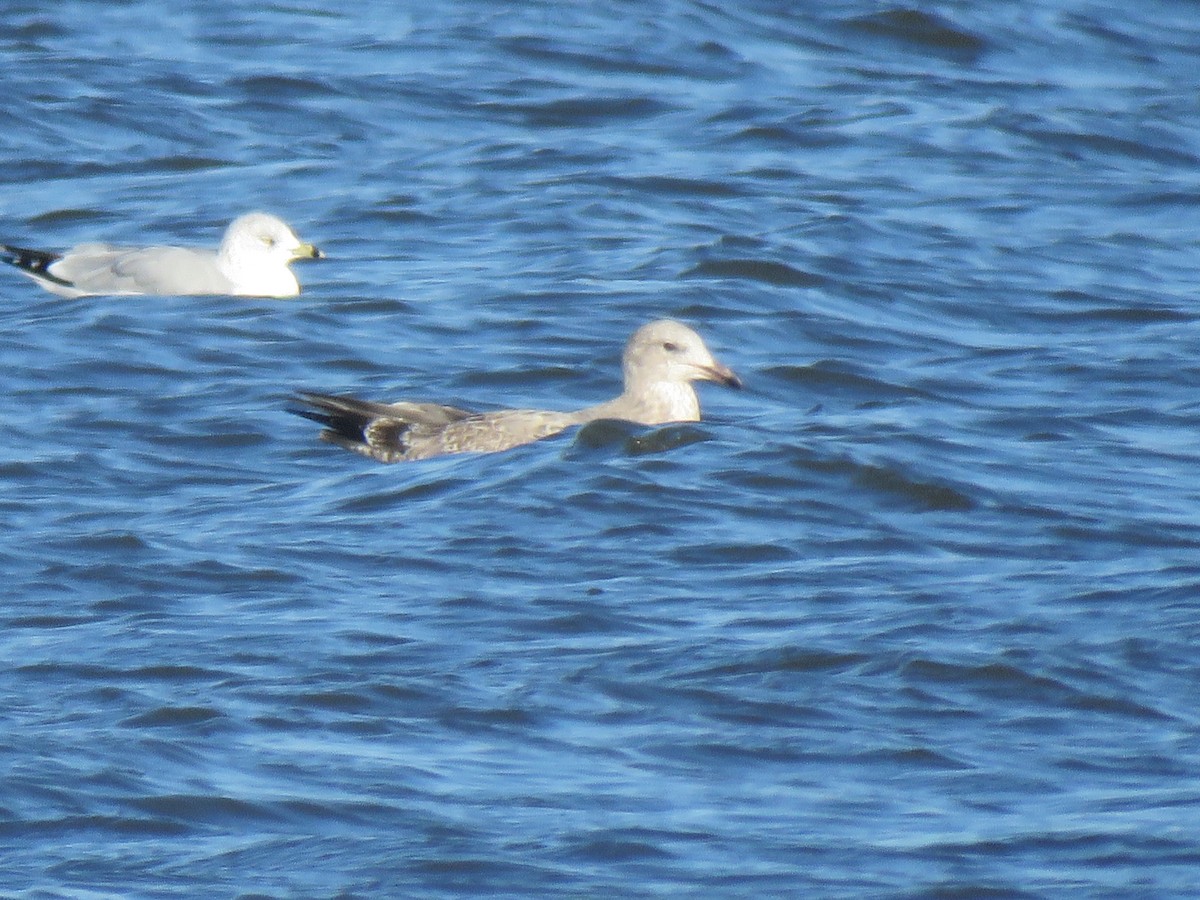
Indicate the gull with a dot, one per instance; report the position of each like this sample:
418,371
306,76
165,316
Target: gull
252,261
660,362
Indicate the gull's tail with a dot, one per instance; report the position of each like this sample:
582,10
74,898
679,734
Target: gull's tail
344,419
34,263
373,429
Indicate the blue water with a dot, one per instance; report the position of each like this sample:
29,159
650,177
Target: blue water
917,614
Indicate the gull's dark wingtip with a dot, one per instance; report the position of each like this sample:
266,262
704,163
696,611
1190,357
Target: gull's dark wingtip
33,262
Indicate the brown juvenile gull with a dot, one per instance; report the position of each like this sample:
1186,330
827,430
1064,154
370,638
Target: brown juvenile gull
660,362
252,261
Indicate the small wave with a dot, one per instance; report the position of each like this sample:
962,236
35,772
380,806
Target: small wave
923,31
173,717
634,440
764,270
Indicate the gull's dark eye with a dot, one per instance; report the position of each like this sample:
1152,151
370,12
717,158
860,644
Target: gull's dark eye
670,347
268,240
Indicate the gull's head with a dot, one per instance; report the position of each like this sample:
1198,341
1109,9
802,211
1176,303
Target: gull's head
669,351
255,254
262,236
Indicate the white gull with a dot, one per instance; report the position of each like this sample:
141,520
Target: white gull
252,260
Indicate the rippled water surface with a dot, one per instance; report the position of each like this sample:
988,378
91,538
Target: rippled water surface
914,615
